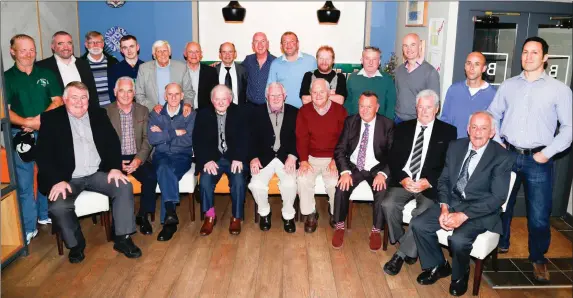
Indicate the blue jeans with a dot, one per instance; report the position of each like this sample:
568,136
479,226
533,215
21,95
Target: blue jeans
32,209
237,183
538,181
170,168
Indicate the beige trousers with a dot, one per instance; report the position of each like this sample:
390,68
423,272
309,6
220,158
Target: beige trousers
307,183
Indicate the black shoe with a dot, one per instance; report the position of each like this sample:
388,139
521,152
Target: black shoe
265,222
125,245
144,225
76,254
289,225
171,219
430,276
394,266
460,286
167,232
410,261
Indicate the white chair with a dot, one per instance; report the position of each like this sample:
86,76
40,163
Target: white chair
187,185
406,218
89,202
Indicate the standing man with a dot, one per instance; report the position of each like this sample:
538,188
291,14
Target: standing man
318,127
129,119
128,67
100,63
203,77
529,106
468,96
362,154
369,78
258,66
68,68
289,69
412,77
337,81
273,151
30,90
231,74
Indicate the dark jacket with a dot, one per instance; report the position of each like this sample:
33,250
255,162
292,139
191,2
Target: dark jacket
208,78
55,147
111,60
242,77
167,141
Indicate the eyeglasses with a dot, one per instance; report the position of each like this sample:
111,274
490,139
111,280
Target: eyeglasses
96,42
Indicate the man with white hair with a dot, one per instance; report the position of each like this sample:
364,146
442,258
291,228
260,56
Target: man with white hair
153,76
418,155
273,151
100,63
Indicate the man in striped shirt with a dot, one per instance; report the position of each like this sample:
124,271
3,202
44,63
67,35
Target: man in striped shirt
99,62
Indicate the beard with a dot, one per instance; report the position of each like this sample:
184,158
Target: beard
95,51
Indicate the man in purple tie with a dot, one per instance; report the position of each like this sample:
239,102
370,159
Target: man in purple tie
362,155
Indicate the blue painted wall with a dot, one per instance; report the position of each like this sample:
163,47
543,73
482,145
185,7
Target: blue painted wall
383,27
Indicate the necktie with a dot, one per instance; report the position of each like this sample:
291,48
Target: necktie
464,175
362,151
228,80
416,162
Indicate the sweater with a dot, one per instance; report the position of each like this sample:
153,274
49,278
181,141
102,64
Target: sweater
383,87
318,135
408,85
290,74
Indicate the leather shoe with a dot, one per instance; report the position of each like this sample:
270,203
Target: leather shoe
331,221
144,225
311,222
338,238
265,222
208,224
394,266
460,286
431,275
375,241
167,232
171,219
235,226
76,254
289,225
125,245
540,273
410,261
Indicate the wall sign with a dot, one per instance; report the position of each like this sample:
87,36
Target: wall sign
496,71
115,4
112,37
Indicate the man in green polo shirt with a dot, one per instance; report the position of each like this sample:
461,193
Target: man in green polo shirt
30,90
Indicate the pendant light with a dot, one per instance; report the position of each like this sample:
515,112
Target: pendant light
328,14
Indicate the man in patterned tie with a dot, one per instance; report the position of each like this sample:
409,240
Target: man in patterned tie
362,155
418,155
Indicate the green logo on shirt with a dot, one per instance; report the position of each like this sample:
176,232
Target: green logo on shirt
43,82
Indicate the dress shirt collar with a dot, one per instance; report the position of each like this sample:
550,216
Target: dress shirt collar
429,126
543,76
371,123
280,111
322,111
362,72
61,61
283,57
480,151
82,118
121,112
419,62
194,71
174,113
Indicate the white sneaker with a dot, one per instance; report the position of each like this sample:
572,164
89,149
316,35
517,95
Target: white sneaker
47,221
31,235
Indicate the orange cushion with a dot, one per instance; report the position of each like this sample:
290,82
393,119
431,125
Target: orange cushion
274,186
136,184
5,174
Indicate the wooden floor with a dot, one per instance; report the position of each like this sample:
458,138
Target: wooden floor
253,264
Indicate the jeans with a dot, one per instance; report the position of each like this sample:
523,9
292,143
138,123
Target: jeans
32,209
538,181
170,168
237,183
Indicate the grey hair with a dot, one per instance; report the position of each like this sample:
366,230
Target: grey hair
124,78
224,87
326,84
160,43
483,113
275,84
429,93
78,85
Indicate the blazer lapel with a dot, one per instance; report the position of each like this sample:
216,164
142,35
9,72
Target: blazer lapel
487,157
457,166
153,83
355,137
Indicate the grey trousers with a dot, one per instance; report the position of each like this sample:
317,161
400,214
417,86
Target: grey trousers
62,212
392,207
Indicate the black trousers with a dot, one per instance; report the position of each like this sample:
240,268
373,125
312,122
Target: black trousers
460,242
342,199
147,176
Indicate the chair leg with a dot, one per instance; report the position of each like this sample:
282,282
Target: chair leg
349,217
385,237
60,244
107,225
152,216
94,218
477,276
256,216
192,207
198,199
494,260
297,215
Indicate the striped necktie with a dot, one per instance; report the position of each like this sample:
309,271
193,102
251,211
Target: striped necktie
416,162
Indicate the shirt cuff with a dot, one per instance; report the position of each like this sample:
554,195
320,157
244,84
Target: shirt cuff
295,158
444,204
344,172
385,176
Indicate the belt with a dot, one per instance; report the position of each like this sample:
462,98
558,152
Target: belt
524,151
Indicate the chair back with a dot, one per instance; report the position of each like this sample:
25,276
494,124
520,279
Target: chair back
511,182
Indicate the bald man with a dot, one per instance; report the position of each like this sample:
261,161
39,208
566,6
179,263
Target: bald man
258,66
412,77
203,77
231,74
468,96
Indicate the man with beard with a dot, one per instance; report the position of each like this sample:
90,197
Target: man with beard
337,81
99,62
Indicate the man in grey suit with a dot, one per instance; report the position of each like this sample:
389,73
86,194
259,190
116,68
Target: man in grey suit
154,76
232,74
471,190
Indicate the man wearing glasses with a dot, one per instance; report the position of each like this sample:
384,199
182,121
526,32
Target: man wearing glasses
100,62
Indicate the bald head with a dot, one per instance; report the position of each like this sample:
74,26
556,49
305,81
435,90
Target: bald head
260,44
411,46
474,67
193,54
227,53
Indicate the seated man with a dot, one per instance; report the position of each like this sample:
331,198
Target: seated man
318,126
129,119
170,132
221,147
418,154
362,154
471,190
73,157
273,150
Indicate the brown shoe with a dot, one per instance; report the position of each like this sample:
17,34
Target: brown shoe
338,238
208,224
235,226
311,222
375,241
540,273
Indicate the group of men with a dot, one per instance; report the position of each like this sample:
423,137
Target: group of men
297,118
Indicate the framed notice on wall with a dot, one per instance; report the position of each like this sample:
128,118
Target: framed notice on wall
416,13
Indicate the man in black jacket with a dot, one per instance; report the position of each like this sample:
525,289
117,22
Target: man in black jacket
74,156
203,77
273,151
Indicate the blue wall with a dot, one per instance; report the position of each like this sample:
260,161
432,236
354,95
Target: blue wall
383,27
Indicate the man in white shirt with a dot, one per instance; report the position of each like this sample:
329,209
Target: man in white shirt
231,74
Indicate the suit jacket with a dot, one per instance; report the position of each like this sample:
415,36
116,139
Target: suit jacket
55,147
206,136
263,136
208,79
442,135
487,187
146,91
350,138
86,76
241,80
140,118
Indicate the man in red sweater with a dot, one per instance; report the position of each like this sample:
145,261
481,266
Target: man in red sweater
318,126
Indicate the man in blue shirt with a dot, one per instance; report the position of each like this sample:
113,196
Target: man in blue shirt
289,69
468,96
128,67
258,66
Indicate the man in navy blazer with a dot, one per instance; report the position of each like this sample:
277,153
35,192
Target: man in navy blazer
471,190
